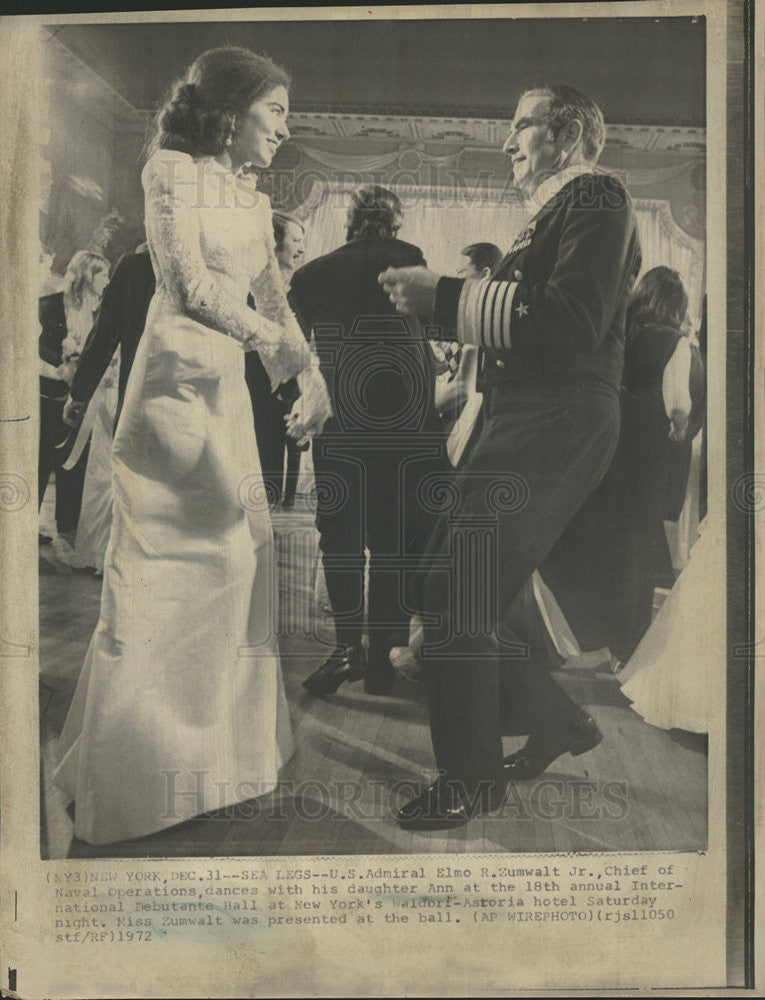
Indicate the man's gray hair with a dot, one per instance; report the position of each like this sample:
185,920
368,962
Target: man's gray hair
374,211
567,104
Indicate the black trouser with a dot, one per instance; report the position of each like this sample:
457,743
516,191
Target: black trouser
368,494
642,559
270,432
293,468
268,410
541,452
604,569
69,483
50,428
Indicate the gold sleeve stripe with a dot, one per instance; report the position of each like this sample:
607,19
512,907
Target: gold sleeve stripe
504,315
484,313
468,330
487,310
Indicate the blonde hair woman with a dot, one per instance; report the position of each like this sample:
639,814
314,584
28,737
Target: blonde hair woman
65,320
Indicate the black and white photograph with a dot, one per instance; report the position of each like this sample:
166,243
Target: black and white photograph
381,479
486,315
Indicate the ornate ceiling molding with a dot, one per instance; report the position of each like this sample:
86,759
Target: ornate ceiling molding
71,75
479,133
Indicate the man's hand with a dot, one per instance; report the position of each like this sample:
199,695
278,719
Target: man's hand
73,412
412,290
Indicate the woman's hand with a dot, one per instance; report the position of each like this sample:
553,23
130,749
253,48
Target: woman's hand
678,428
73,412
267,338
311,409
67,369
282,350
450,394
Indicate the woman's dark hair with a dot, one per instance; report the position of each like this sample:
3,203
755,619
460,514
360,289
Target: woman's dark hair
659,297
373,211
221,84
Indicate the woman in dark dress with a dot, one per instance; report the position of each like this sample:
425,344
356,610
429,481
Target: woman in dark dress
615,552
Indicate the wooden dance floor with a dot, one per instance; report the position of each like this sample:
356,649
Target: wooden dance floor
359,756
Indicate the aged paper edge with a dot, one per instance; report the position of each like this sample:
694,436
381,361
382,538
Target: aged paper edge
18,614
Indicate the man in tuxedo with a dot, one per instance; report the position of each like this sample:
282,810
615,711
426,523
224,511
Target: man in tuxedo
269,407
374,456
119,323
550,325
54,391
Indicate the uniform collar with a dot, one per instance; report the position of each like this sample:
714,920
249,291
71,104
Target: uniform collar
549,188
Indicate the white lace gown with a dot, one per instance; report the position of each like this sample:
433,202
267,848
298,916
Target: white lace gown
94,525
180,706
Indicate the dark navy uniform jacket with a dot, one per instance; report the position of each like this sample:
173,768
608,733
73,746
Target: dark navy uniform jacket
555,307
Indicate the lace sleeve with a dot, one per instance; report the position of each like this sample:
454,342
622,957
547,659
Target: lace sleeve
271,301
173,185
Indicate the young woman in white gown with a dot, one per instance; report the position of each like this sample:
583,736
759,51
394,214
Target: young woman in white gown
673,678
94,526
180,706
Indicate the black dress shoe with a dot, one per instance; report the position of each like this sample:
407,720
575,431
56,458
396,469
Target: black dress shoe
441,807
541,751
344,663
437,808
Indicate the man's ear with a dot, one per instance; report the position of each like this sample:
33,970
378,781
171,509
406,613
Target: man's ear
572,134
485,273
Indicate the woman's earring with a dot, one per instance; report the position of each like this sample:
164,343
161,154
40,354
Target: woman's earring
230,138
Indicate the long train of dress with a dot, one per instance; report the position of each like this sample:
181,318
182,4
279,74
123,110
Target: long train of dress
672,677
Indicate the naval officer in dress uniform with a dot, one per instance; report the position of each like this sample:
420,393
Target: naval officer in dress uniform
550,324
